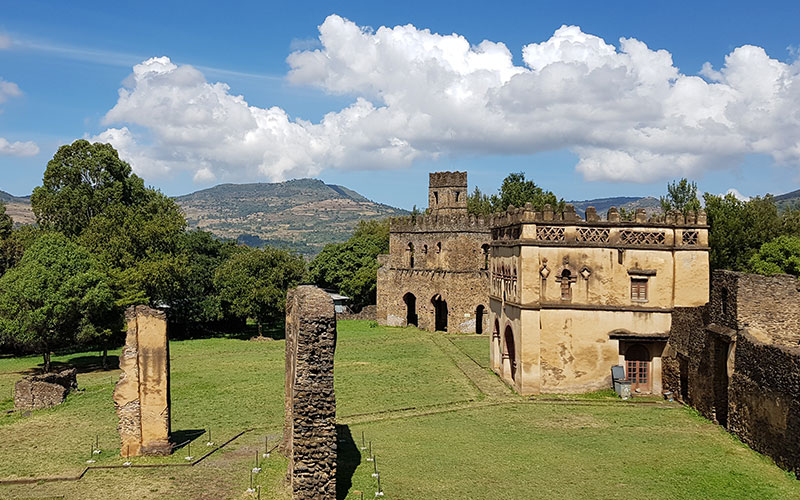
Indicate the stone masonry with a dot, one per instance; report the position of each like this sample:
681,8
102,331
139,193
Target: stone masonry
737,361
309,433
141,396
436,273
44,391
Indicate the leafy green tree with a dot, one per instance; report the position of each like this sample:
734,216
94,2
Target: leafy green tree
55,297
681,196
80,182
514,190
253,283
352,267
739,228
139,245
6,223
781,255
198,300
13,247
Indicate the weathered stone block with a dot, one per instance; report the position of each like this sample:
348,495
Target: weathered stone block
142,396
44,391
309,437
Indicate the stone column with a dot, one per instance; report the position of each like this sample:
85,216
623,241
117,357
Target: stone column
309,437
141,396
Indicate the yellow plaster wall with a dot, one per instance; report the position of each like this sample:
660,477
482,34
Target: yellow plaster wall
692,283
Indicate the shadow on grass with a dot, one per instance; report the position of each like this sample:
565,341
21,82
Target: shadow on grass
232,331
347,459
183,437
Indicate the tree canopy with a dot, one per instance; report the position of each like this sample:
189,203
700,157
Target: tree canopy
681,196
252,283
352,267
55,297
81,181
514,190
781,255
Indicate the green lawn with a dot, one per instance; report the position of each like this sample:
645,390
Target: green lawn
442,427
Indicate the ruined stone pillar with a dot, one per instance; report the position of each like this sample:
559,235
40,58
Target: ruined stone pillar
141,396
309,433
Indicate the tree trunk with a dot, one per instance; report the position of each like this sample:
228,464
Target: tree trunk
259,329
46,355
105,357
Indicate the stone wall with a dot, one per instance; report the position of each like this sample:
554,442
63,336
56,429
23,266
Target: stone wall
765,399
142,394
736,360
44,391
310,403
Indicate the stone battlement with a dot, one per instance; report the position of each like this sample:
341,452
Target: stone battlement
446,223
447,179
527,215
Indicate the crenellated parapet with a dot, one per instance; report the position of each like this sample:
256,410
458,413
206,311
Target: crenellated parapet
440,223
527,214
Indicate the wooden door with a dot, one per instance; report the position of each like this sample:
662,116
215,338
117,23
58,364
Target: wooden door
637,368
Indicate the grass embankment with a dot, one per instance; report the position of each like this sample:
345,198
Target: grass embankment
442,427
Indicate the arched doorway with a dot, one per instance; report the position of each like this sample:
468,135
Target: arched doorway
411,309
510,354
479,313
439,313
637,367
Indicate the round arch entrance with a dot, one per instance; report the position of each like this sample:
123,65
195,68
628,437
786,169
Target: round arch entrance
439,313
480,312
411,309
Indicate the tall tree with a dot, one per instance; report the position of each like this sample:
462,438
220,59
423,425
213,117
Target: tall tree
352,267
6,223
55,297
81,181
514,190
681,196
253,283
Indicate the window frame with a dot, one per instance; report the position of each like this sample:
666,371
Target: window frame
640,291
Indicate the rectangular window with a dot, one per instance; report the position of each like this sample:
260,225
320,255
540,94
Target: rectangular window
638,290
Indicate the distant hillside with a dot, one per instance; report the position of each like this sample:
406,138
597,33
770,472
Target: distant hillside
788,200
18,207
303,215
650,204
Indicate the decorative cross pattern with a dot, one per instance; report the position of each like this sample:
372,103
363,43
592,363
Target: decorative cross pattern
596,234
550,233
690,238
642,237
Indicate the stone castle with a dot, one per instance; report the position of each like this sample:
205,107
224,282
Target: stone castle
436,275
565,298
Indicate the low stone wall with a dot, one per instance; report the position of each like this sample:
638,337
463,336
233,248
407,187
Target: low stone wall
367,312
43,391
309,435
765,399
142,395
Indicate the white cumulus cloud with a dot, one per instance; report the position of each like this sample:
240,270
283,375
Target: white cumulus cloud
18,148
625,110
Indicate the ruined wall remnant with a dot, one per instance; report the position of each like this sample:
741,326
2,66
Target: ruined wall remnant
142,397
737,361
44,391
309,437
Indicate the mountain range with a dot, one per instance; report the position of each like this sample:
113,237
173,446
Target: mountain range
306,214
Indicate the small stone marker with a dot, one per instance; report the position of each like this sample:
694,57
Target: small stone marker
142,396
309,437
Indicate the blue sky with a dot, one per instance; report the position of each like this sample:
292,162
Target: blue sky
579,120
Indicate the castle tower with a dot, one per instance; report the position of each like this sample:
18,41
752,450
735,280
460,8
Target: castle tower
447,193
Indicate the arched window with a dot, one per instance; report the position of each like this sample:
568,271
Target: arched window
510,353
410,251
485,252
566,284
438,247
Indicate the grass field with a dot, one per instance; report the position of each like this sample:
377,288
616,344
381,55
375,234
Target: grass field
441,424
